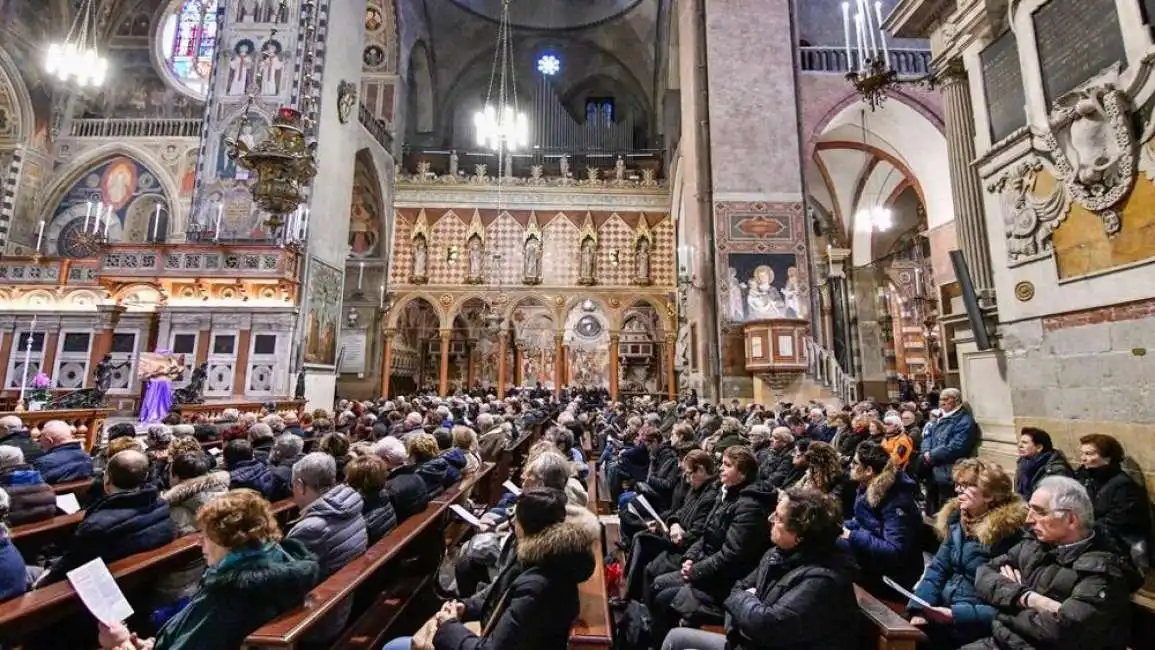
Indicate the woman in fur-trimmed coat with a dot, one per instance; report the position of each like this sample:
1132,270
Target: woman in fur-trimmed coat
985,521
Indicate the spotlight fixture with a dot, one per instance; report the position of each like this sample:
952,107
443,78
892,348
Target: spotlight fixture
549,65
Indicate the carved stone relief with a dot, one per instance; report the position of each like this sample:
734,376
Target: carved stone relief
1029,219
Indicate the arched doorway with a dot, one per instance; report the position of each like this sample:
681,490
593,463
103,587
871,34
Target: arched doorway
534,328
416,349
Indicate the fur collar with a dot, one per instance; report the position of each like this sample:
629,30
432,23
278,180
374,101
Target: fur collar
879,485
215,481
575,535
994,527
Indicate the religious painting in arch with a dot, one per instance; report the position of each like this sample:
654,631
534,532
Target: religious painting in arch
118,197
249,129
760,286
365,210
322,312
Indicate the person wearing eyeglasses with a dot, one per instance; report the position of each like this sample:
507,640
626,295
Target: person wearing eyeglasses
1064,586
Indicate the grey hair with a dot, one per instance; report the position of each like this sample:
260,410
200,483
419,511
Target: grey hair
731,425
653,418
288,446
484,422
550,469
12,422
760,431
951,392
783,434
317,471
10,456
5,506
1069,495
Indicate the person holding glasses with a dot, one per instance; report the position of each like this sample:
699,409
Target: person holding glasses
983,521
1065,585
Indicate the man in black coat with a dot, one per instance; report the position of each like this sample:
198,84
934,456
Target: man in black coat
777,466
130,520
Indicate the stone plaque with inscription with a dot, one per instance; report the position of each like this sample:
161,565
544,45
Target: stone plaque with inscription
1076,39
353,343
1003,85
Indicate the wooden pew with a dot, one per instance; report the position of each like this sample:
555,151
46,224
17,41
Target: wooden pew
23,617
30,538
79,488
91,419
372,581
882,628
594,626
510,462
213,410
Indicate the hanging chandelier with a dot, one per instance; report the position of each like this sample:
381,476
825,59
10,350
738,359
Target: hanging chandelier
500,125
868,56
77,59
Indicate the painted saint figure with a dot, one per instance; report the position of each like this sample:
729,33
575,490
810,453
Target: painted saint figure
737,306
271,66
763,299
239,68
793,294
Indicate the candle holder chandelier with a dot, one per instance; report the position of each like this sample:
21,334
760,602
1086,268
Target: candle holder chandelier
77,60
868,57
500,125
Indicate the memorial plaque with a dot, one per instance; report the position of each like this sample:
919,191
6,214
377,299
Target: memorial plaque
1003,85
353,343
1076,39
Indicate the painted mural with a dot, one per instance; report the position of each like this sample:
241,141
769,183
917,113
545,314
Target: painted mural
130,194
365,211
761,286
134,89
322,313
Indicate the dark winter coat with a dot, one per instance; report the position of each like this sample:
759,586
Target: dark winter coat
541,603
114,527
63,463
13,573
380,518
1092,579
694,511
254,475
262,451
282,471
22,439
407,492
846,443
884,531
664,474
30,498
735,537
801,600
1047,463
949,581
778,467
951,439
242,593
634,462
1121,506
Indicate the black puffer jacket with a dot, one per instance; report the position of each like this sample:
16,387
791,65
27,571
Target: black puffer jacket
1121,506
777,467
735,537
664,474
1092,579
801,600
380,517
694,511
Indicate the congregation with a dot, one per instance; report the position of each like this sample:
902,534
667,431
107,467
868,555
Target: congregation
740,527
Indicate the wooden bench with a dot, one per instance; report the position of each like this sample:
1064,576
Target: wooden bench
91,419
213,410
594,626
31,538
882,628
383,583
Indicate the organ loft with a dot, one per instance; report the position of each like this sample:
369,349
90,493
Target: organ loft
756,200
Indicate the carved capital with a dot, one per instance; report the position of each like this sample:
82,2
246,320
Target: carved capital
950,73
446,334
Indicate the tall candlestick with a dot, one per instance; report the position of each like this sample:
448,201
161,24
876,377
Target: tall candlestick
156,222
217,226
305,224
882,34
27,358
846,34
870,29
87,215
40,236
360,274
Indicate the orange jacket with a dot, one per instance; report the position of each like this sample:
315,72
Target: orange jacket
900,447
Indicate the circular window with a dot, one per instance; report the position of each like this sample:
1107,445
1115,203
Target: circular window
186,42
588,326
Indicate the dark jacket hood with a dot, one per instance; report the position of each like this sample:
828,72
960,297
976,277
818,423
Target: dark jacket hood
762,492
563,550
881,485
284,581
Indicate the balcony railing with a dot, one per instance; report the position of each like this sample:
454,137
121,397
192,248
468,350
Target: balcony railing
136,128
908,63
538,165
375,127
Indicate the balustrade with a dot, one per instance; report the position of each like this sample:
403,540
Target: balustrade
908,62
136,128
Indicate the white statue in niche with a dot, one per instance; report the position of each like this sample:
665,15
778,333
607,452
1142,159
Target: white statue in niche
475,255
533,259
420,255
642,261
587,259
764,300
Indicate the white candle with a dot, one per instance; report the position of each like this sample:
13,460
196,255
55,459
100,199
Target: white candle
382,295
882,34
217,226
861,42
360,274
107,222
40,236
87,215
305,224
846,34
156,222
871,28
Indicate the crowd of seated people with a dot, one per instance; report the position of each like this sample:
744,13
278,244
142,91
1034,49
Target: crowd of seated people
766,521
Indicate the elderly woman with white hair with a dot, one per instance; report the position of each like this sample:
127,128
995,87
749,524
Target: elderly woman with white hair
31,498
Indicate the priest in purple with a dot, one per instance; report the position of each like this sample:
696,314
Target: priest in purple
159,369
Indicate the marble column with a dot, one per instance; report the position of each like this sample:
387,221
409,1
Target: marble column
559,363
615,370
386,360
668,346
966,187
443,382
502,344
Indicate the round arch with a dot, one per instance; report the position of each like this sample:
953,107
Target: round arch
619,317
94,157
571,304
534,300
26,114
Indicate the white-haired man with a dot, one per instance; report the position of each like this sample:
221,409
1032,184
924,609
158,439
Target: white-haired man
14,434
1064,586
64,457
955,436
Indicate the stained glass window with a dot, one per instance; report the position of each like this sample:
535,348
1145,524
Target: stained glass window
188,41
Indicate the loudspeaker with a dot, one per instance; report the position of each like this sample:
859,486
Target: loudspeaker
970,300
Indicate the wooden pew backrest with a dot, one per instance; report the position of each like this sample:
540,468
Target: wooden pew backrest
882,627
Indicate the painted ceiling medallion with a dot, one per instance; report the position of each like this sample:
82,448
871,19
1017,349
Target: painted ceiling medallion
551,14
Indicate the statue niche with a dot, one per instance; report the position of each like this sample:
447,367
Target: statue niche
587,253
420,272
532,249
643,255
475,251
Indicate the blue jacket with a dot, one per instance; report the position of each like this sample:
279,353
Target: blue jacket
67,462
951,439
114,527
949,581
254,475
884,533
13,575
635,462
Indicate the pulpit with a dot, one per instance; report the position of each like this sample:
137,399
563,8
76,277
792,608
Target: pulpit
776,357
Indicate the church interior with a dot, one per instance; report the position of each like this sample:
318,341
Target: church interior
373,197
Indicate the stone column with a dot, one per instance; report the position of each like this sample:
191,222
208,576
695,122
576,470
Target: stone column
671,376
502,342
386,360
558,363
443,383
615,371
966,188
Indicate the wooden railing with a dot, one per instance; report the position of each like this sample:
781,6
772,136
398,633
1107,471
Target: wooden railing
375,127
213,410
88,422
